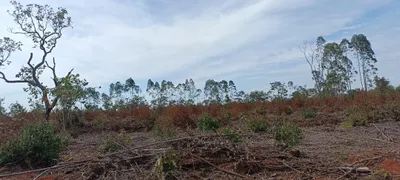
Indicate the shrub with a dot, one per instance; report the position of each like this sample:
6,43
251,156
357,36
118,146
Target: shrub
307,113
288,134
37,143
231,135
359,116
206,123
257,125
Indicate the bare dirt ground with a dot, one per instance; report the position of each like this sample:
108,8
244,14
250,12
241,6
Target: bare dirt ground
326,152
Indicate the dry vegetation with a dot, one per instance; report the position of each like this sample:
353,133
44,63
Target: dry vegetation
232,141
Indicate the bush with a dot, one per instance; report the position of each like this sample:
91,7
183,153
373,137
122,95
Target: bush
257,125
206,123
37,143
308,113
288,134
360,116
231,135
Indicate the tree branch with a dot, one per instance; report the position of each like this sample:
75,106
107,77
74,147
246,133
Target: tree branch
53,69
3,76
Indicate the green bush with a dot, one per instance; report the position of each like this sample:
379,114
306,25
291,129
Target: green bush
206,123
308,113
288,134
359,116
37,143
257,125
231,135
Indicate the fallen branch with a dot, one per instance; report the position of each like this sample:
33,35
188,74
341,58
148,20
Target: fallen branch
355,167
383,134
294,169
41,169
223,170
162,142
41,174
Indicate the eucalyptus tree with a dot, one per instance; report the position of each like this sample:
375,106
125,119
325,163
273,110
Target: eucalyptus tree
313,54
366,60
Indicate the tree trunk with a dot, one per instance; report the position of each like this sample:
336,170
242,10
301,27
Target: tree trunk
47,114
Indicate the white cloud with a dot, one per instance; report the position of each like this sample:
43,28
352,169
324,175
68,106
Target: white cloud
114,39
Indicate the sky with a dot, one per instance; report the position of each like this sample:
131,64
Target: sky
252,42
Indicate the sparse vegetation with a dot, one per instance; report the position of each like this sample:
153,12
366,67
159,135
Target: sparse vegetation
137,125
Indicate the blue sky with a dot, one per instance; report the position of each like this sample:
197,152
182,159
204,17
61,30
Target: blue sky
251,42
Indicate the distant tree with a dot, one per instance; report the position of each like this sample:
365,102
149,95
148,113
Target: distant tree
91,98
365,57
16,108
107,101
382,85
2,108
314,57
187,93
278,90
212,92
256,95
44,26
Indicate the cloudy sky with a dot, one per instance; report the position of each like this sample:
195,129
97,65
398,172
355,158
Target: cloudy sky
252,42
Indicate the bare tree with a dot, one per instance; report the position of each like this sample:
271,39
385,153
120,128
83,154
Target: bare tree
313,55
44,26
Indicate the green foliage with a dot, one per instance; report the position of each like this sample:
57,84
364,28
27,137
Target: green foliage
358,116
16,109
308,113
257,125
37,144
278,91
234,137
288,134
206,123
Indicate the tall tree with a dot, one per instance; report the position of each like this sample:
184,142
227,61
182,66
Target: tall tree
278,90
365,59
212,92
313,55
92,98
256,95
44,26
